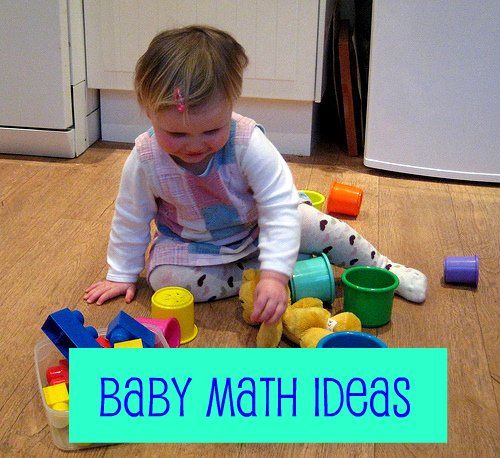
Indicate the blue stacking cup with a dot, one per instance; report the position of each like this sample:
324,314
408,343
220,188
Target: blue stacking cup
350,339
461,269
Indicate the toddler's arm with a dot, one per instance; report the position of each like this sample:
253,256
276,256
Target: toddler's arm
130,235
279,225
277,203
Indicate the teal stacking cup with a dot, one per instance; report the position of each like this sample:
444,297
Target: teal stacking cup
369,294
313,278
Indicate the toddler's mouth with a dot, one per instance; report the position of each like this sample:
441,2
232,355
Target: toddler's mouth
198,155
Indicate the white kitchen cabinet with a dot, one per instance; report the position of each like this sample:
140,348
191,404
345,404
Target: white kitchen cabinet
433,104
284,40
45,107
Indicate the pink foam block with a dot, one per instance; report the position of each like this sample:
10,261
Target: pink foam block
170,328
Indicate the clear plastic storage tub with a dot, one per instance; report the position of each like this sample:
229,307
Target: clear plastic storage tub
47,355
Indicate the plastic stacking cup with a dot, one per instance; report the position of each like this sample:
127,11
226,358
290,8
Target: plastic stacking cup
313,278
169,327
461,269
350,339
344,199
176,302
317,199
369,294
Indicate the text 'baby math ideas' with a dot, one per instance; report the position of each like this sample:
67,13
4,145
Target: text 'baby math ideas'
136,397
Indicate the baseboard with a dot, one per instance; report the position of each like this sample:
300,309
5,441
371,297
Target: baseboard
34,142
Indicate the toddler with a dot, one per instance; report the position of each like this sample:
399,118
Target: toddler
221,195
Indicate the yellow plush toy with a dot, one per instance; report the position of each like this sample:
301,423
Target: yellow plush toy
304,322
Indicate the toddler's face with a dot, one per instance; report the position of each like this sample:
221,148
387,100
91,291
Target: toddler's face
196,139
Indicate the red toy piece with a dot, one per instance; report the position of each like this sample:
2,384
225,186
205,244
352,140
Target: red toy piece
103,342
57,374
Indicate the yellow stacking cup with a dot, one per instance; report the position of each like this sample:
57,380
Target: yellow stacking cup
317,199
176,302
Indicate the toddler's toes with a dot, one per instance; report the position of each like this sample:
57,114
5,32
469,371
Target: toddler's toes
412,283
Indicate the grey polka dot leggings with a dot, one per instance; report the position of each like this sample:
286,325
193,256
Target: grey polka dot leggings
319,233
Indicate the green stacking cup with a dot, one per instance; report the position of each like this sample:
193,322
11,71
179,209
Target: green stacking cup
369,294
313,278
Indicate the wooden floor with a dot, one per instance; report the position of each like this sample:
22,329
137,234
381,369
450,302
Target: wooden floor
54,222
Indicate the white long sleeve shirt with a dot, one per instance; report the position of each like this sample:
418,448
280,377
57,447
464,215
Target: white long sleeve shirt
276,198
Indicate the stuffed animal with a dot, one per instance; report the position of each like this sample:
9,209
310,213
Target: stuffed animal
304,322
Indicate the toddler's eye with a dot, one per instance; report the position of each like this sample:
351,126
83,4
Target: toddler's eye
212,132
176,134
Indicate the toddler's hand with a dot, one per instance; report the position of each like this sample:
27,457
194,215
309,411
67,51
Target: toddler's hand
270,297
102,291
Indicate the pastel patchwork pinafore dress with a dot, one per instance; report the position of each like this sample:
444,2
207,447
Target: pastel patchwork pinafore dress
205,219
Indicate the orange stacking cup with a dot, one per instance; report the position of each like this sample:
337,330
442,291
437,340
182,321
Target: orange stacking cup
344,199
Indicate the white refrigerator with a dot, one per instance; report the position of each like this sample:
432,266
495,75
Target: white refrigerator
45,106
434,89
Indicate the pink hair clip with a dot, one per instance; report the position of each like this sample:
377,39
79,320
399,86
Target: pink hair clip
179,100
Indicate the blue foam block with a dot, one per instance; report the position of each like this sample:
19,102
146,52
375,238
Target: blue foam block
65,329
124,327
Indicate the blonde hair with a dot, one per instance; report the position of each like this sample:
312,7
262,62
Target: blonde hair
199,61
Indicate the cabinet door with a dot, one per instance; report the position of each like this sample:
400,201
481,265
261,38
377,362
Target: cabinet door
35,89
279,36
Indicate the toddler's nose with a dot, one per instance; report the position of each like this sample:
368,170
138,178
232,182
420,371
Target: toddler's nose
196,146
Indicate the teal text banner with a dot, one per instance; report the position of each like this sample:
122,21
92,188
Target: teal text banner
284,395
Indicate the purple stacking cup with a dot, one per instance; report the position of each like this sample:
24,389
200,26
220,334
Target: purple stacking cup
461,269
